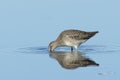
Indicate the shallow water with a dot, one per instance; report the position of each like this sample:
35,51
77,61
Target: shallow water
36,63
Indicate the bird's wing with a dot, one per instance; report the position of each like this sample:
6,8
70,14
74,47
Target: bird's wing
80,35
75,35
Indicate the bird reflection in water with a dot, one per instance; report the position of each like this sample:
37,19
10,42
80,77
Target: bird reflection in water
72,60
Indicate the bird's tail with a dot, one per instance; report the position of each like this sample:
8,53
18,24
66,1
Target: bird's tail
88,62
96,32
89,34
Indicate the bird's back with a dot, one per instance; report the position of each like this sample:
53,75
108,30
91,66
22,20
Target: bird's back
76,34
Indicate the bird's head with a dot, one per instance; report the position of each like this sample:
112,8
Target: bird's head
52,46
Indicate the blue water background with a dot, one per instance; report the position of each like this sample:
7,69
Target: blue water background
28,26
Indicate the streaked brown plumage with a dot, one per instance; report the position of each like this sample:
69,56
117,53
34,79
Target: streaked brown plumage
72,38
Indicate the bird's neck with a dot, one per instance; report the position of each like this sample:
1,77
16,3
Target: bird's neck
59,43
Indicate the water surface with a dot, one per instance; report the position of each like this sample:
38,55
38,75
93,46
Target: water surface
36,63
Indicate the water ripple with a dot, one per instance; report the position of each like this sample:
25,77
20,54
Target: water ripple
83,48
34,50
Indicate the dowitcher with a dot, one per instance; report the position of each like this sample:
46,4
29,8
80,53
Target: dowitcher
71,38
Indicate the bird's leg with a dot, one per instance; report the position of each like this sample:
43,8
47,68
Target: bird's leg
71,49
